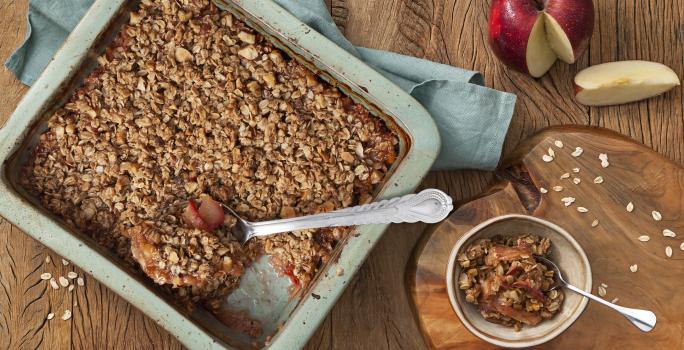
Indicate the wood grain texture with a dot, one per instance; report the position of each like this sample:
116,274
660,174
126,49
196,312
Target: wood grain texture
374,312
636,174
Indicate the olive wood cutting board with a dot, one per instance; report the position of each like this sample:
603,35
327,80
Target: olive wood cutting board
634,174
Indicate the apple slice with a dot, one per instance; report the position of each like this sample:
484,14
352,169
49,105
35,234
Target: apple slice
211,212
569,25
622,82
193,218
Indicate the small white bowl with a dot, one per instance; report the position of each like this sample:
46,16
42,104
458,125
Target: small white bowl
565,252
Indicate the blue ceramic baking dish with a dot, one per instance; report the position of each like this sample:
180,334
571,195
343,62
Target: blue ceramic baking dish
288,320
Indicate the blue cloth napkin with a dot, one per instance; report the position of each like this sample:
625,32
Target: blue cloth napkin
472,119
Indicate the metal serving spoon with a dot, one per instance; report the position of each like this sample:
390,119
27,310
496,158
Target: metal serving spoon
428,206
643,319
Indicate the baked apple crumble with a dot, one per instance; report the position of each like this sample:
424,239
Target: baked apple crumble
503,278
189,105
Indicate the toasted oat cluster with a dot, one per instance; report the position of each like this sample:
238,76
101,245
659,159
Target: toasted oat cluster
502,277
188,101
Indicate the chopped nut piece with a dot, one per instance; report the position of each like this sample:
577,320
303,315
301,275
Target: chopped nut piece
634,268
72,275
575,170
630,207
80,281
48,259
565,176
595,223
71,288
681,246
50,316
340,271
576,180
604,160
598,180
65,262
45,276
547,158
614,301
558,143
557,188
552,153
543,190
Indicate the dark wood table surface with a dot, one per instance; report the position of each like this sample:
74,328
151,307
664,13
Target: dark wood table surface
374,312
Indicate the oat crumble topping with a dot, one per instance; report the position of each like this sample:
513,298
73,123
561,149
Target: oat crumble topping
189,101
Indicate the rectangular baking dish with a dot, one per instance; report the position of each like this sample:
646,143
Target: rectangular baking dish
295,318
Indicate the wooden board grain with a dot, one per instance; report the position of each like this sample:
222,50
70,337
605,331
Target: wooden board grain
374,312
635,175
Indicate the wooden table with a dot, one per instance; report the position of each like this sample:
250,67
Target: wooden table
374,312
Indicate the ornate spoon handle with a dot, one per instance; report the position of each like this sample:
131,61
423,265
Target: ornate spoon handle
428,206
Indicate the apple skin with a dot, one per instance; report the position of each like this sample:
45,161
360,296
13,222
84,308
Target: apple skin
510,25
576,17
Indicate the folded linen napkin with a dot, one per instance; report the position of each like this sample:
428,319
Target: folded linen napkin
472,119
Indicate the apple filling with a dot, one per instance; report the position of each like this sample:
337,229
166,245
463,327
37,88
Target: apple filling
510,287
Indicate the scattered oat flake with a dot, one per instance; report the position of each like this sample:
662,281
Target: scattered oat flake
603,157
634,268
48,259
582,210
71,288
558,143
340,270
63,281
604,164
669,233
602,291
568,201
644,238
575,170
45,276
576,181
578,152
565,176
557,188
615,300
656,215
65,262
53,283
598,180
72,275
630,207
604,285
681,246
668,251
551,152
50,315
547,158
80,281
594,223
66,315
543,190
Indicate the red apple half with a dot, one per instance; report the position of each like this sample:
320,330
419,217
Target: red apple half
529,35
